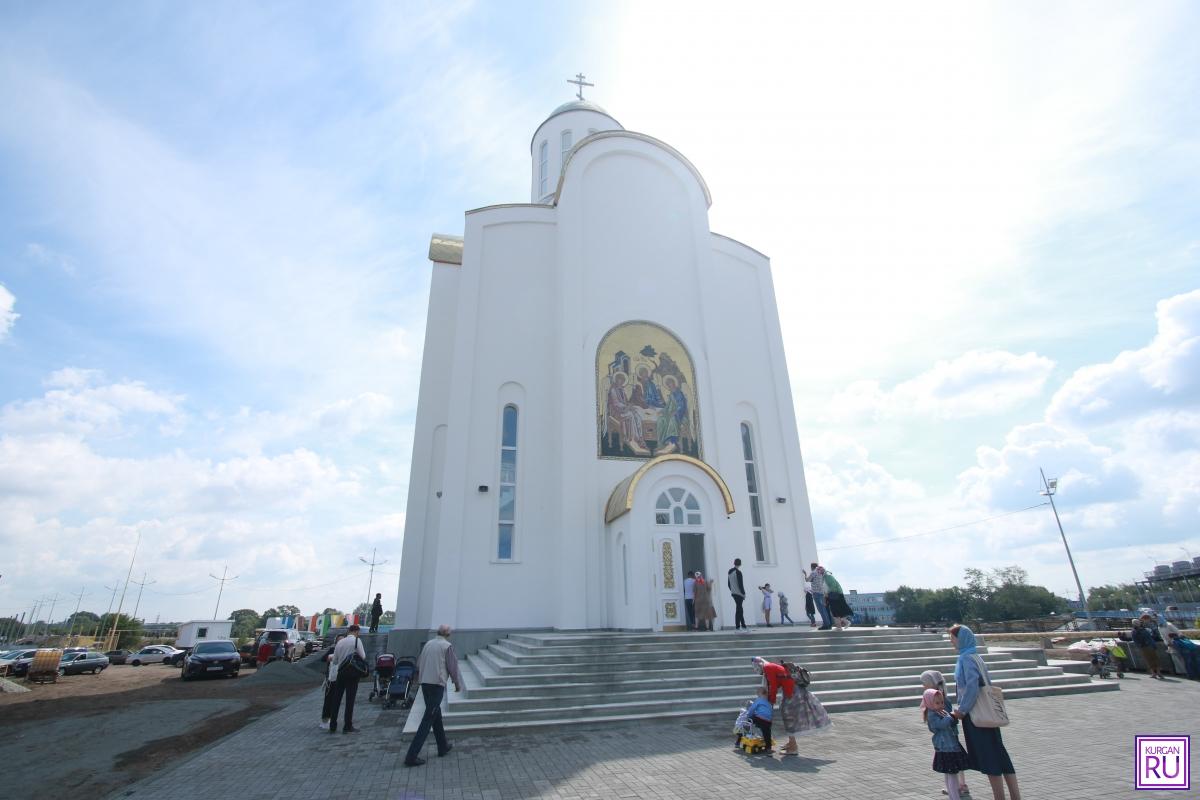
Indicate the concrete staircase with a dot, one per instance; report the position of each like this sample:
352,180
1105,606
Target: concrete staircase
563,678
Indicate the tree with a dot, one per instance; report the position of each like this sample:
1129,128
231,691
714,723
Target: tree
331,611
12,628
363,610
1114,598
129,630
245,620
283,610
991,596
388,618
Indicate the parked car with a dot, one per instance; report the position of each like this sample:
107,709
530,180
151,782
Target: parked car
74,650
16,662
155,654
248,654
118,656
78,663
215,657
292,646
310,641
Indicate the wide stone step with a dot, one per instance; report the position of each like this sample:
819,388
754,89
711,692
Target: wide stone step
702,641
593,694
609,640
773,648
728,705
501,665
743,678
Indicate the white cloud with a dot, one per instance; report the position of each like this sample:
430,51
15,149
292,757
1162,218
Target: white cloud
78,402
1164,374
8,317
973,384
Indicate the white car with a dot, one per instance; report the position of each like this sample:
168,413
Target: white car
155,654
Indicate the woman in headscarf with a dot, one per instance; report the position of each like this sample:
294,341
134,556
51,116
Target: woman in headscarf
705,612
802,712
985,746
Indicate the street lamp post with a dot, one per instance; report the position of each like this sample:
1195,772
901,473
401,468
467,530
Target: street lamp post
1051,487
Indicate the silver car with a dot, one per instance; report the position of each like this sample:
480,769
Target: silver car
155,654
79,663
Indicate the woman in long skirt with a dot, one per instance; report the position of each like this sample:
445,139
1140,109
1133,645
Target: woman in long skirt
985,746
802,712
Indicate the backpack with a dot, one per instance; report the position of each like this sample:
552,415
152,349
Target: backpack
798,674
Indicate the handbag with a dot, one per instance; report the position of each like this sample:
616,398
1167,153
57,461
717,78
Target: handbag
357,666
989,710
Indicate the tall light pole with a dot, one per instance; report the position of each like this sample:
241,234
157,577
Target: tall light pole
50,617
78,600
221,580
1051,487
140,586
113,637
371,580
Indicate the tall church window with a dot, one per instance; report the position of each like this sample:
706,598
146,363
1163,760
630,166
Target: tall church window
566,147
508,485
677,507
755,491
543,167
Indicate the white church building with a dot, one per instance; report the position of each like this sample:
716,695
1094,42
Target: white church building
604,405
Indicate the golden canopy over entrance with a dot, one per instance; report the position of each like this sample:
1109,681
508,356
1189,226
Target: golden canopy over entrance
621,499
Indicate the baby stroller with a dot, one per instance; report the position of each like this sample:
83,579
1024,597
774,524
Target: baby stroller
385,669
403,684
1101,664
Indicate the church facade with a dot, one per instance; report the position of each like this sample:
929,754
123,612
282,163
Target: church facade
604,404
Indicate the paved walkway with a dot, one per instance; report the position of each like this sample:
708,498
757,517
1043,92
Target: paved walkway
1067,747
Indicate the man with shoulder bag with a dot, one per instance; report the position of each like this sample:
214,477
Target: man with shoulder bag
351,661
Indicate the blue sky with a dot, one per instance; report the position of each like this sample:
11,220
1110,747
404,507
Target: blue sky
213,224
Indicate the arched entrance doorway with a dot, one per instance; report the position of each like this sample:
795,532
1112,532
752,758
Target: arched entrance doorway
663,522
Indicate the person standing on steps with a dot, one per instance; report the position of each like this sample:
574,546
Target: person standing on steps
346,681
705,611
689,600
376,613
436,664
738,589
817,579
810,610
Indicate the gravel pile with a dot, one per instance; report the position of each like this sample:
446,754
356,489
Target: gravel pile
11,687
282,672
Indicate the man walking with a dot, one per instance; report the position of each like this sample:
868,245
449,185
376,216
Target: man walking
689,599
346,682
436,663
376,613
738,590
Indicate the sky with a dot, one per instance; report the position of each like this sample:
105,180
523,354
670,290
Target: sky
214,218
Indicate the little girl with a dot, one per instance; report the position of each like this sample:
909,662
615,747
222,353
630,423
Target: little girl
767,591
949,758
932,679
783,610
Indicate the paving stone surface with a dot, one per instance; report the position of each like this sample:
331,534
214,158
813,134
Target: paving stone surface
1069,747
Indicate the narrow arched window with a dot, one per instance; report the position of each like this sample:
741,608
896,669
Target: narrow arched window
566,148
508,485
753,488
543,168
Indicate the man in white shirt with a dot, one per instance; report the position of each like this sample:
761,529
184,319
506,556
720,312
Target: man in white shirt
435,665
689,600
346,682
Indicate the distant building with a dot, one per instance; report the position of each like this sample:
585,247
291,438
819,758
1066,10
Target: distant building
871,604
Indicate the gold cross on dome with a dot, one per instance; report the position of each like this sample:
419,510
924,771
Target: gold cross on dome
580,82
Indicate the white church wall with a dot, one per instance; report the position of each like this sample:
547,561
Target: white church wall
630,218
414,595
508,270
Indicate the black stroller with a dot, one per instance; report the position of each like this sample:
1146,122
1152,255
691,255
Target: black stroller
385,670
404,683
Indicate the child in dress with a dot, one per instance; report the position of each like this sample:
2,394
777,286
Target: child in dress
949,758
767,591
932,679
